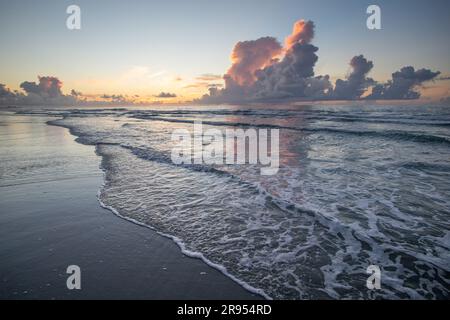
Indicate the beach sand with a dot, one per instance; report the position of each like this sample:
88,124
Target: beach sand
50,218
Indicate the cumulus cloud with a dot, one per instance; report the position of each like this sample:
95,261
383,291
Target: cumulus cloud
293,76
356,83
263,70
403,84
48,87
46,92
249,56
166,95
5,92
7,96
303,32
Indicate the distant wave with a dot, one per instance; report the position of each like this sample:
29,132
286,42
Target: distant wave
393,134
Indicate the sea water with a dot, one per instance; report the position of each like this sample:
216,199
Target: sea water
357,186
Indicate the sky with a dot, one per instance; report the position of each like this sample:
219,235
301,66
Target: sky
161,49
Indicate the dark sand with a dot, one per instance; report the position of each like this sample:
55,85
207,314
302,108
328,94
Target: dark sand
50,218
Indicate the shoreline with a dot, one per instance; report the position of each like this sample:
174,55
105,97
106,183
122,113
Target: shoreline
119,260
179,242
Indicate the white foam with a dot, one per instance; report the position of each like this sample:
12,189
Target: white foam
182,246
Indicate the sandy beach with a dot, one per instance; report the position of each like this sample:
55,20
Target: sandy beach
50,218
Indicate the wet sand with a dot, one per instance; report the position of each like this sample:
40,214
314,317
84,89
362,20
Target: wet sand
50,218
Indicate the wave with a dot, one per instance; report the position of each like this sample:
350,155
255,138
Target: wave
348,239
391,134
351,234
288,207
423,166
180,243
315,114
418,119
389,121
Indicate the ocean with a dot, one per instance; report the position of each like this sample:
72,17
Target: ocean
356,186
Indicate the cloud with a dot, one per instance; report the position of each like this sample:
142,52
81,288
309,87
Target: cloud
205,81
249,56
263,71
115,98
215,85
209,77
9,97
47,91
5,92
403,84
293,76
75,93
202,85
166,95
272,76
356,83
303,32
48,87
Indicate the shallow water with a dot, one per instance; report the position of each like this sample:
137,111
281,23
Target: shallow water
357,186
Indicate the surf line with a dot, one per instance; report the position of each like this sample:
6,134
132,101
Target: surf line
232,147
